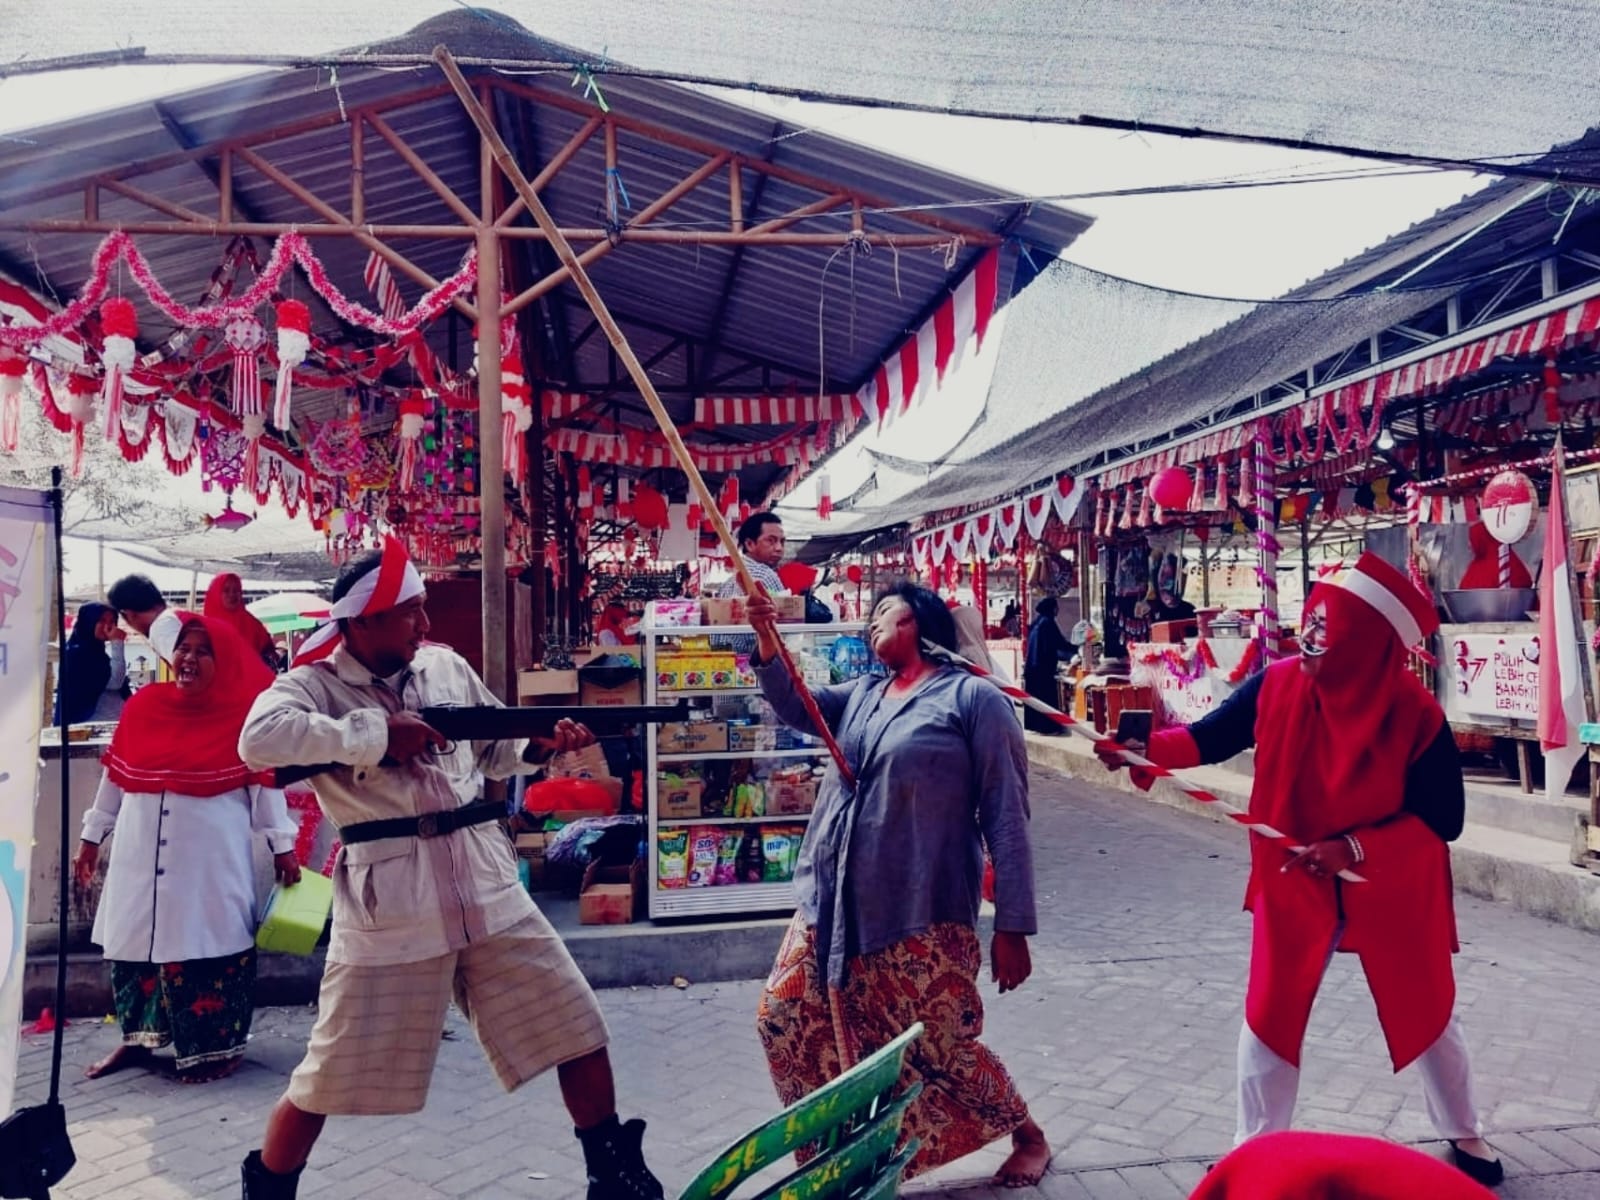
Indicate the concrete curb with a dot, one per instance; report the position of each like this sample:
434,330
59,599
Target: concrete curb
1530,873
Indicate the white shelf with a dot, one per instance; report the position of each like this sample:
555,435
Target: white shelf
769,819
729,898
727,691
724,755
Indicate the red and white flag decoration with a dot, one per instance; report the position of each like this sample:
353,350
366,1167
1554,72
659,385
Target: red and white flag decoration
1561,704
1000,527
13,367
824,496
516,414
925,357
774,410
384,289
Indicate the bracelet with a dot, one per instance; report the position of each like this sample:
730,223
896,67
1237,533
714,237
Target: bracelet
1355,848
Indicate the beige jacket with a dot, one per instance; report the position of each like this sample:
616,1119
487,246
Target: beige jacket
398,899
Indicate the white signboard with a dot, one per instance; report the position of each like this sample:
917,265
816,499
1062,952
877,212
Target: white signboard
1496,674
24,603
1183,700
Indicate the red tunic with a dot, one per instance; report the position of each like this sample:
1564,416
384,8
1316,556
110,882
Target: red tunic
1331,759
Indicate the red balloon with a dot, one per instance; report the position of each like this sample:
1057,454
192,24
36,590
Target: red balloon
1172,487
853,573
649,507
797,576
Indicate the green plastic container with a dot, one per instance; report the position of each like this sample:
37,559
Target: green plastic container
295,916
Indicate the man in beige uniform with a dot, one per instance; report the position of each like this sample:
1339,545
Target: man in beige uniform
426,904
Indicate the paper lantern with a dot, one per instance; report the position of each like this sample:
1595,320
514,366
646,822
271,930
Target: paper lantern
853,573
1509,506
1172,488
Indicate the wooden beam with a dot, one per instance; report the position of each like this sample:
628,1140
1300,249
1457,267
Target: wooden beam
139,196
429,175
971,233
215,149
317,205
551,170
491,460
358,171
665,201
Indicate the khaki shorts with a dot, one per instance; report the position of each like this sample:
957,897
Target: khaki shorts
378,1028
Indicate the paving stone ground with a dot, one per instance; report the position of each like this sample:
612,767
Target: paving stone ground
1123,1043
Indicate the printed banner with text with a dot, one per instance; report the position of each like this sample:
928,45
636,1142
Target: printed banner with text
24,607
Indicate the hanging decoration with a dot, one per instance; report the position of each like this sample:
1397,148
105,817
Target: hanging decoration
12,369
81,392
624,500
336,448
120,326
245,337
824,496
294,344
728,499
1509,506
229,520
1172,488
413,419
649,507
516,414
585,494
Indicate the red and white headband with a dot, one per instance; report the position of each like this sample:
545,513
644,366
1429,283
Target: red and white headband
392,583
1394,597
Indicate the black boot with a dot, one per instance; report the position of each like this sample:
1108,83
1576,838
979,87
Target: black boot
614,1155
262,1184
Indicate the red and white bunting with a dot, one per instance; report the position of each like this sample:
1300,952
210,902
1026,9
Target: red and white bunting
998,528
562,406
775,410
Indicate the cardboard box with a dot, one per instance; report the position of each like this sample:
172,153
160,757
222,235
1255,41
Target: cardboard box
752,737
693,737
790,608
674,614
547,683
531,850
610,687
676,801
611,895
791,799
725,610
1174,631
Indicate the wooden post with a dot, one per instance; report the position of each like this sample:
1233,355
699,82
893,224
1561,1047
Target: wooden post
491,452
497,152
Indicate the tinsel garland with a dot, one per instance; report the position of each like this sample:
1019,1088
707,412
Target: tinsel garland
289,249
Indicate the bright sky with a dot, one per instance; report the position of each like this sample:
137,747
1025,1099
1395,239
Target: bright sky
1250,243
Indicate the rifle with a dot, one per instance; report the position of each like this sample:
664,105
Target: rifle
492,723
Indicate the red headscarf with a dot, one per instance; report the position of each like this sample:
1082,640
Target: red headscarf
172,739
1335,754
1330,1166
243,621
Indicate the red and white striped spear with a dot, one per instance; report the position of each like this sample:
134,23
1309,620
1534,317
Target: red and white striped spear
1194,792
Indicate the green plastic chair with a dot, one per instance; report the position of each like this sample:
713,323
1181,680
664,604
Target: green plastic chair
853,1121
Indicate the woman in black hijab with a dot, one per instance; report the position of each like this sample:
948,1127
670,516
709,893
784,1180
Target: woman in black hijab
1047,646
94,671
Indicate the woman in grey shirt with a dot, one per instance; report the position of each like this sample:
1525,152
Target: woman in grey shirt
887,888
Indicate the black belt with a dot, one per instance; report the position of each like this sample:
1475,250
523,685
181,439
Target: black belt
428,825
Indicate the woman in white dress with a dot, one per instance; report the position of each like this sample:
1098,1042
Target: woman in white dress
177,917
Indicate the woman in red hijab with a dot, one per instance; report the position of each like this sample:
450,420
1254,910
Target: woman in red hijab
177,914
1354,762
225,603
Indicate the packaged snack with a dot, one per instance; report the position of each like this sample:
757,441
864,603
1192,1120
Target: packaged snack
777,855
752,861
728,857
705,841
672,858
749,800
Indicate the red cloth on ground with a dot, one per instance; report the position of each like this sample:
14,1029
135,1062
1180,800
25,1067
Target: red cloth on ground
1332,1166
1331,758
242,621
1484,571
174,739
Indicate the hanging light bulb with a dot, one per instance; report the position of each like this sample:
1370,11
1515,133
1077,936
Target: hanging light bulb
1386,440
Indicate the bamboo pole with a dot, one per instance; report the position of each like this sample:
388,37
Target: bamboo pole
502,155
491,454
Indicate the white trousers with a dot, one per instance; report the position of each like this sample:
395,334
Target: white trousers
1269,1085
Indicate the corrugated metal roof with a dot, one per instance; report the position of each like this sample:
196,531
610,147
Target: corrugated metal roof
772,305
